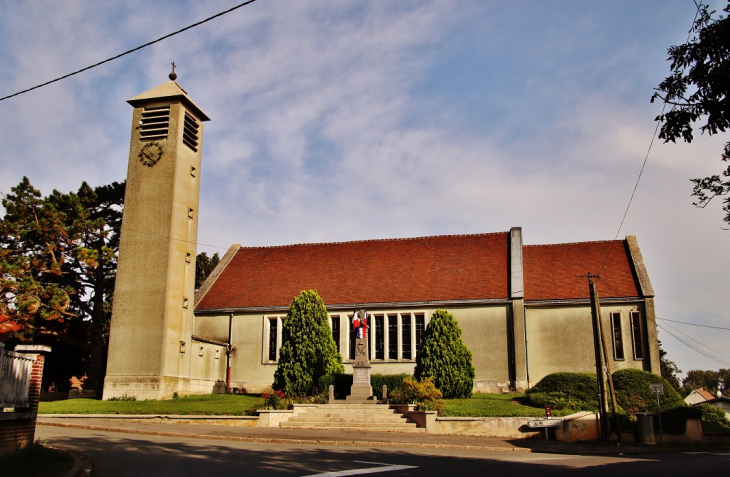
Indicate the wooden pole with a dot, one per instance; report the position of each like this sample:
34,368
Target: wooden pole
596,305
595,313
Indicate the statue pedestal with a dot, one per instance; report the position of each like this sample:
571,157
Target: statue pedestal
361,390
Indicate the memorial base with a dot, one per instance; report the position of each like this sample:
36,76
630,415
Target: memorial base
361,391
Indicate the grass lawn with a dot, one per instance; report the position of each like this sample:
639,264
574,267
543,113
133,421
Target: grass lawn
206,404
36,460
495,405
479,405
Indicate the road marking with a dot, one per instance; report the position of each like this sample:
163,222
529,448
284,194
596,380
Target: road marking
382,467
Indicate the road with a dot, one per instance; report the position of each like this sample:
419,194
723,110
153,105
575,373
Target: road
119,454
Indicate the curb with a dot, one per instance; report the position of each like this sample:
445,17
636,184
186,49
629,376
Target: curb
80,468
328,442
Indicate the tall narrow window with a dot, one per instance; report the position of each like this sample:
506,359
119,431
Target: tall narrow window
405,327
392,336
353,338
379,337
273,331
336,331
420,330
637,332
618,339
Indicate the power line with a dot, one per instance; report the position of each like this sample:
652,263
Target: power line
696,324
701,351
696,341
129,51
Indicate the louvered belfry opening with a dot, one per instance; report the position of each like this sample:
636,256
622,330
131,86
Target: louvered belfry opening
155,123
190,132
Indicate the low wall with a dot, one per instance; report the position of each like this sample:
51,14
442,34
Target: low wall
17,427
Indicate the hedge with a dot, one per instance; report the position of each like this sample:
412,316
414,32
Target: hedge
565,391
633,392
343,383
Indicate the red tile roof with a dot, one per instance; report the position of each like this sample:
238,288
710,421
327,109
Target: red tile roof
374,271
555,272
425,269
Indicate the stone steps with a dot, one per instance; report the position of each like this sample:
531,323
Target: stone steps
350,417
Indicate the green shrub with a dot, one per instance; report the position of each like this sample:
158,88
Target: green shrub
423,394
577,391
308,351
341,381
444,357
123,397
394,382
713,414
633,392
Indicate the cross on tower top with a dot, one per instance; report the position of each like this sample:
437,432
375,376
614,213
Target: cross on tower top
173,76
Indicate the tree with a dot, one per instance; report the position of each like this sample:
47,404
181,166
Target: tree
668,369
308,350
204,266
58,257
445,357
697,379
698,88
724,375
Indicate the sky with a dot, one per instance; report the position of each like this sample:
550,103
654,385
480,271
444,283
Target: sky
342,120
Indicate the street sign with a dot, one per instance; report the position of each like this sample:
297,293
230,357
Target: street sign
540,423
657,389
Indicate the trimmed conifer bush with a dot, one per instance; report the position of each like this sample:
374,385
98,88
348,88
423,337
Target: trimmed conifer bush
307,351
445,357
633,392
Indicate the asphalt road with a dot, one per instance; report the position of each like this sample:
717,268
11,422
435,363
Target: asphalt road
118,454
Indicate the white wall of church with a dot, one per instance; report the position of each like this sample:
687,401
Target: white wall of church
560,338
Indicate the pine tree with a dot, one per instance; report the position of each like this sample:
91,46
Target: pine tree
58,257
445,357
307,351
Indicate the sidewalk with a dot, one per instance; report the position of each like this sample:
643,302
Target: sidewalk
349,438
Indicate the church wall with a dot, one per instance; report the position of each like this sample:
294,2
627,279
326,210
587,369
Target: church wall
560,338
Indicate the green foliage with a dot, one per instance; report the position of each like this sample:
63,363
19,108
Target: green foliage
698,379
204,266
204,404
341,381
57,270
36,459
496,405
633,392
127,397
445,357
394,382
713,414
276,400
423,394
578,391
668,369
697,88
307,351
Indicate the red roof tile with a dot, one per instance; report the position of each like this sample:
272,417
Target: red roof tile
425,269
374,271
555,272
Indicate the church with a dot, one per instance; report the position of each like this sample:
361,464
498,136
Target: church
524,310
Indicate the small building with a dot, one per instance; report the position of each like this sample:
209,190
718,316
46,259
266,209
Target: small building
700,396
524,310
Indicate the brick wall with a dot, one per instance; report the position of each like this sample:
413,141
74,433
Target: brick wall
17,429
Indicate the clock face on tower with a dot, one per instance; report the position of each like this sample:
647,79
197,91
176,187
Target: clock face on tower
150,154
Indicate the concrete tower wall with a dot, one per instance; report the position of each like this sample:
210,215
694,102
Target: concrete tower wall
152,319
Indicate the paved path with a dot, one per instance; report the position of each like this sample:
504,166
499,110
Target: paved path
358,439
117,454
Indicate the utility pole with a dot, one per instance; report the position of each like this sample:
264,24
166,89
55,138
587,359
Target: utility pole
595,313
598,324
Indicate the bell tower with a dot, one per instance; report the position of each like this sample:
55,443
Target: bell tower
152,317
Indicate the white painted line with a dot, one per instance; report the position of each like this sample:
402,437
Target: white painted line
382,467
695,452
